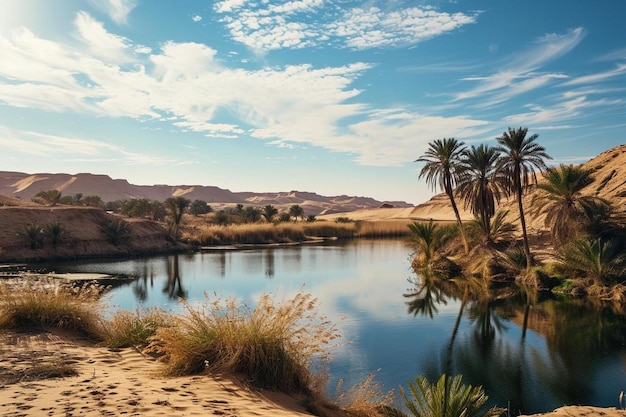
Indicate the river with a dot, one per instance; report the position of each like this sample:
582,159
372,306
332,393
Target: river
571,351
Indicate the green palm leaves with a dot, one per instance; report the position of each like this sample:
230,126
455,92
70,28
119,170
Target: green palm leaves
446,398
442,169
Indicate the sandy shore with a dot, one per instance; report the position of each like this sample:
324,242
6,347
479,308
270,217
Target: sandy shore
116,382
126,382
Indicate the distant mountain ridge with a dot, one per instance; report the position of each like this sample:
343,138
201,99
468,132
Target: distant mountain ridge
25,186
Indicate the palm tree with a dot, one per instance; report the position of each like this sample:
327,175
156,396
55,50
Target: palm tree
176,206
269,212
449,397
492,231
296,211
429,239
560,198
442,171
480,184
50,197
519,159
597,259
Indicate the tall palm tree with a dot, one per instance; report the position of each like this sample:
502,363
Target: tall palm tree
296,211
441,170
176,206
50,197
269,212
560,198
520,156
480,184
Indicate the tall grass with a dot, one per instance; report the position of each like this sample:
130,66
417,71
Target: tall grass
48,302
274,344
132,328
263,233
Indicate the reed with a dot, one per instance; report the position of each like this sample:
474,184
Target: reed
383,228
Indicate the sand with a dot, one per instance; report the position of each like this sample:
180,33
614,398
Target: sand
117,382
125,382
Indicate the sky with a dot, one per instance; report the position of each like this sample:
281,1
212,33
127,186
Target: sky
337,97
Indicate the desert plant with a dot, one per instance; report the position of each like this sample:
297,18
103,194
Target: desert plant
43,301
269,212
128,328
273,343
50,197
560,198
429,240
116,230
597,259
54,232
446,398
33,235
296,212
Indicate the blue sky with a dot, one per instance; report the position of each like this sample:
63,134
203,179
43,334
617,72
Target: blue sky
334,97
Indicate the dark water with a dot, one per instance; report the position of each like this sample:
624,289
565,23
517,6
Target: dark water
570,352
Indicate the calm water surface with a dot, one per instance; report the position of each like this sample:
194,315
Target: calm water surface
571,353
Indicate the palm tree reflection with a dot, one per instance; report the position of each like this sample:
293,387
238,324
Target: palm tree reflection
174,287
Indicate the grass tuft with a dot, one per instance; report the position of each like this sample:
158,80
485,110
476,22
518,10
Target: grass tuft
48,302
273,344
127,328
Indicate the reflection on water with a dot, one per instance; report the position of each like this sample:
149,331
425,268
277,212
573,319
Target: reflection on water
530,354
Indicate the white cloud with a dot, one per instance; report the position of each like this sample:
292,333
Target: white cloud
118,10
520,72
599,77
101,44
268,26
196,18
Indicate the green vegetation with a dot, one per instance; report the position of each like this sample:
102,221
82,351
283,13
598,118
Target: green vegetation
520,157
588,233
442,170
447,398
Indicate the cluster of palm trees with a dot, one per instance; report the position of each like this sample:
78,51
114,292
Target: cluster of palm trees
481,176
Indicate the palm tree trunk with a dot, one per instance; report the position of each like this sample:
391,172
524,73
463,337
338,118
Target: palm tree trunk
459,223
529,259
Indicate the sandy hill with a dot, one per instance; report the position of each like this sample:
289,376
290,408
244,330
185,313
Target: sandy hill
25,186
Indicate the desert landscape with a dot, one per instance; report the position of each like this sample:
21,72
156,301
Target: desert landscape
126,381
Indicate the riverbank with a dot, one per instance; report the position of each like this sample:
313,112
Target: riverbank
128,382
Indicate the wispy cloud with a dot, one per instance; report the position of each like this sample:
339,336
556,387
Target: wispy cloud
599,77
118,10
520,73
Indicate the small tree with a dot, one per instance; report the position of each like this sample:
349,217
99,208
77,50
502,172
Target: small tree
176,207
296,211
198,207
269,212
54,232
32,235
49,197
115,231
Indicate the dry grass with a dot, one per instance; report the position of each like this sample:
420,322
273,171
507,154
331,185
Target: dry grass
278,344
42,302
273,344
383,228
128,328
365,399
201,233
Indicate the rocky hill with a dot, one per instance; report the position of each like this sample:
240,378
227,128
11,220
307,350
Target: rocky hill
25,186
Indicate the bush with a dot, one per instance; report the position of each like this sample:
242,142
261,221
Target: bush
127,328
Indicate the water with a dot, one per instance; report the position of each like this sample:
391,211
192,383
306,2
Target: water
573,352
